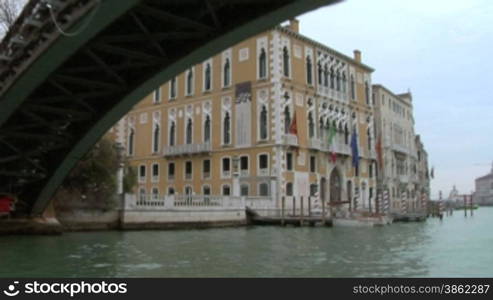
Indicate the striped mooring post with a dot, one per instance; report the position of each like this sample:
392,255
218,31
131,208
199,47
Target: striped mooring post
441,207
403,203
356,197
424,202
386,202
380,202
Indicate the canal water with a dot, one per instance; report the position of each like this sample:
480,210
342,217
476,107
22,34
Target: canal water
454,247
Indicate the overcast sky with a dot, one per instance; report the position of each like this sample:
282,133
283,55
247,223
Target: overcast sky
441,50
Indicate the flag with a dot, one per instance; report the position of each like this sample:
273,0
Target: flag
333,157
293,128
432,173
379,152
354,149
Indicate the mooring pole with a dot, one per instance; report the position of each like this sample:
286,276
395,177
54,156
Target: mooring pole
471,207
283,204
301,211
309,206
323,212
294,206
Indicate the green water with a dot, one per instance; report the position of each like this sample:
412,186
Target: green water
456,246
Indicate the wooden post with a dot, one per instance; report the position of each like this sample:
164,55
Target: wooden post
301,211
283,203
471,207
309,206
323,211
294,206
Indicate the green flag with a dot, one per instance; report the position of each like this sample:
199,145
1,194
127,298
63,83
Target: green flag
332,133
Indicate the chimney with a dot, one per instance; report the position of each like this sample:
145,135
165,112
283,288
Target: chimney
294,25
357,56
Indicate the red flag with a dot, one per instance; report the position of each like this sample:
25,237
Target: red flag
293,128
333,157
379,152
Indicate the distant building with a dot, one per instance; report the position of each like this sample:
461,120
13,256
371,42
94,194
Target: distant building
404,173
484,189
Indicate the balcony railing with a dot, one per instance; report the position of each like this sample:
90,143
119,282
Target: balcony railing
187,202
400,148
290,139
187,149
315,143
339,148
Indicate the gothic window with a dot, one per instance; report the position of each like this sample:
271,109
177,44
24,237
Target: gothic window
131,142
207,77
190,82
311,126
344,82
338,81
332,78
263,123
321,128
285,59
227,73
320,74
172,88
309,78
262,64
227,129
287,120
188,137
353,88
346,135
172,134
207,129
367,93
155,138
326,75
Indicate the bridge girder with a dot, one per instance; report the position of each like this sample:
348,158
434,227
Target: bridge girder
60,94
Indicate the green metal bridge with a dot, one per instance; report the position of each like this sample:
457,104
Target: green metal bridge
70,69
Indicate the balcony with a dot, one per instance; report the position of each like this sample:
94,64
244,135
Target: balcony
339,148
403,178
187,149
290,139
315,143
400,148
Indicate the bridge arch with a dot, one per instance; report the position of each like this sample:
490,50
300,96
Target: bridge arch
60,98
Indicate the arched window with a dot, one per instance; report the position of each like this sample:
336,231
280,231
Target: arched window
190,82
346,135
320,74
207,129
263,123
171,191
227,129
338,81
155,193
131,142
321,128
287,120
367,93
332,78
368,133
289,189
142,194
156,138
309,78
263,189
311,126
227,73
207,77
344,82
172,88
172,133
188,137
326,75
353,89
262,64
285,59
